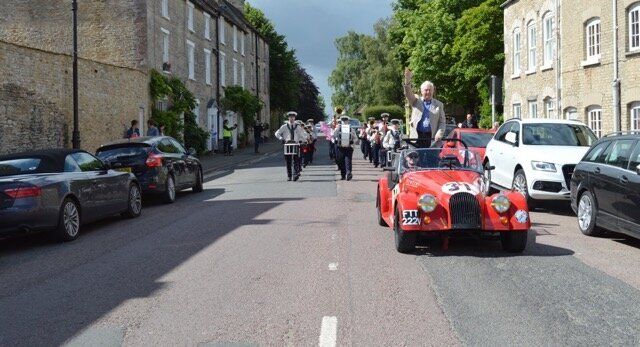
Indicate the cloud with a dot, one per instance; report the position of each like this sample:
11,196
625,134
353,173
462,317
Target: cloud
311,27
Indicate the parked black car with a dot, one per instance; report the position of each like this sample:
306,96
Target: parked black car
60,190
605,186
160,163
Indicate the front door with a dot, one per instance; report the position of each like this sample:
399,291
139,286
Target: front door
628,211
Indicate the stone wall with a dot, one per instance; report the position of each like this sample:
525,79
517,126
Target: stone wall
36,106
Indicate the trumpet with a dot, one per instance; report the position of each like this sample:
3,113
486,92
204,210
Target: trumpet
339,110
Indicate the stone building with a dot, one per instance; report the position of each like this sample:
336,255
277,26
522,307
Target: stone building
566,59
119,43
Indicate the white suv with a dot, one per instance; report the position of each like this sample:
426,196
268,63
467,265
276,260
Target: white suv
537,156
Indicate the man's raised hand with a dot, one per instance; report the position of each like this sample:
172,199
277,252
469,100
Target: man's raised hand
408,76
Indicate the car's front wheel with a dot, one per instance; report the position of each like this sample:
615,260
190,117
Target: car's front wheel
381,220
199,186
514,241
405,242
520,185
68,221
587,210
134,207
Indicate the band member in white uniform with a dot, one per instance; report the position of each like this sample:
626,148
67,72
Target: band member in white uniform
291,132
344,148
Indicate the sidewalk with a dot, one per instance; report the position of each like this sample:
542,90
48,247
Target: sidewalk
215,162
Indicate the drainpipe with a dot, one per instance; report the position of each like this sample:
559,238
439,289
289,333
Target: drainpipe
616,78
218,75
257,68
558,60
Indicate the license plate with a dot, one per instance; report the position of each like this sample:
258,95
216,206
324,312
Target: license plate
124,169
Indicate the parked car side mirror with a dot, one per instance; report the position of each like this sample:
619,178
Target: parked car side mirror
490,168
512,138
192,151
638,169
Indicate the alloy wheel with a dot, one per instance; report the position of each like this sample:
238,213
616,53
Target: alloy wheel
520,184
135,199
171,188
585,211
71,219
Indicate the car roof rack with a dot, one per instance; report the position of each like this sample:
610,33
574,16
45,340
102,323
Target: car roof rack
626,132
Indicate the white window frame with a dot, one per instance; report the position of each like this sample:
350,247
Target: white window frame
550,108
235,38
190,10
593,40
533,109
634,116
242,38
571,113
548,40
191,60
517,52
531,44
594,119
517,110
222,31
223,69
235,72
165,9
207,66
166,44
207,26
242,74
634,28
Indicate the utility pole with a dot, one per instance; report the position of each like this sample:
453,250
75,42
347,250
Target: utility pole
76,129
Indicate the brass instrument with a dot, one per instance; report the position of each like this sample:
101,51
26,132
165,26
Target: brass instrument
339,110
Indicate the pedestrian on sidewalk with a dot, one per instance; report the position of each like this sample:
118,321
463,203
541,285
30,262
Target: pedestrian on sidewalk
152,129
257,135
427,113
133,131
470,122
227,134
345,149
293,134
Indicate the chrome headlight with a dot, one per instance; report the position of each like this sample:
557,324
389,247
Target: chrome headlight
427,203
543,166
501,203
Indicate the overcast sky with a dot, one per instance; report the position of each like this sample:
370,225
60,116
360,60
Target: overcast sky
311,27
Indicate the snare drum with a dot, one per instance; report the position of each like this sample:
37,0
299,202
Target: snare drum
291,149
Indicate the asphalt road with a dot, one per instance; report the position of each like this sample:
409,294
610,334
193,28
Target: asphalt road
256,260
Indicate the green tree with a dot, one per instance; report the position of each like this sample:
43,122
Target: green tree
394,111
308,106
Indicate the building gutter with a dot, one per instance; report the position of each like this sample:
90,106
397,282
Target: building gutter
616,78
559,112
217,50
257,70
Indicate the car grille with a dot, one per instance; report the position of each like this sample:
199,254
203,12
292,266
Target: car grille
465,211
567,170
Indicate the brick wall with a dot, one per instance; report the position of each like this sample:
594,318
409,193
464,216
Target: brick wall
36,107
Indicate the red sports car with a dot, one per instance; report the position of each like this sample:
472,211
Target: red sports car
475,139
428,191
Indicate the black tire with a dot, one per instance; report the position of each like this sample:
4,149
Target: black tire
68,227
587,224
169,196
524,190
381,220
514,241
199,186
487,174
405,242
134,204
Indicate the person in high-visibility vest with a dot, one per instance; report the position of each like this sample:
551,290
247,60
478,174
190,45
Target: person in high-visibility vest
227,134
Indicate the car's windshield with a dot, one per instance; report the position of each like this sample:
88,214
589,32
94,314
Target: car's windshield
477,139
22,166
440,159
553,134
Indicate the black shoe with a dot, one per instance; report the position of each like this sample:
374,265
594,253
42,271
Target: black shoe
349,177
343,178
296,177
289,179
375,165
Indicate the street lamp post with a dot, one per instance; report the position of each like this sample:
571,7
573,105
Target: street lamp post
76,130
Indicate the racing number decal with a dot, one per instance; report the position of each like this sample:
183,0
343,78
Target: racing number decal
459,187
410,217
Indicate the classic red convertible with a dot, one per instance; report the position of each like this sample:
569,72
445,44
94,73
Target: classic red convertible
433,192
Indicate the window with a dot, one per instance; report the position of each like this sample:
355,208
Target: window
167,146
191,60
221,30
517,111
635,116
178,146
25,166
620,153
87,162
223,69
165,9
634,28
596,152
571,113
592,36
531,41
242,37
548,39
235,38
549,108
242,74
502,132
70,165
594,115
235,72
207,26
165,49
552,134
190,16
207,66
533,109
516,52
634,163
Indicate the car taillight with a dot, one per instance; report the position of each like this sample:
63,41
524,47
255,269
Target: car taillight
23,192
154,160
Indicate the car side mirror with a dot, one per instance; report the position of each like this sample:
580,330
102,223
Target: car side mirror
192,151
512,138
490,168
638,169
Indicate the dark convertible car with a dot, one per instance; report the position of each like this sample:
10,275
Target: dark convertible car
60,190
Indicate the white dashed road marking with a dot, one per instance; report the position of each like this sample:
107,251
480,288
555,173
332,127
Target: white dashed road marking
328,332
333,266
